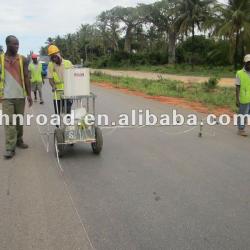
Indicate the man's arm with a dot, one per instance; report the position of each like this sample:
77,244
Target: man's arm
52,84
50,77
237,91
237,95
29,71
27,80
41,65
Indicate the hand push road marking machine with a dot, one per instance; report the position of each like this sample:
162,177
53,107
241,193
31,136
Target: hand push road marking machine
78,100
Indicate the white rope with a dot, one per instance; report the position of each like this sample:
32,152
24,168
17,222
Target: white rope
77,213
40,132
178,133
58,159
110,132
46,145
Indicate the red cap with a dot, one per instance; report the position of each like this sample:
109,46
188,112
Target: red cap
34,56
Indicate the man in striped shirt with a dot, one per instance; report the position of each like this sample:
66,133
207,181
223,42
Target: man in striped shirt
14,71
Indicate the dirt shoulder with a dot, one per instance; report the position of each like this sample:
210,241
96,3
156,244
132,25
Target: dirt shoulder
196,106
224,82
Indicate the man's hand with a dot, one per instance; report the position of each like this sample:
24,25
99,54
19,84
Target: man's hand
30,101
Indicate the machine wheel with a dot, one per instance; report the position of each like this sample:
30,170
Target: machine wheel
97,146
59,138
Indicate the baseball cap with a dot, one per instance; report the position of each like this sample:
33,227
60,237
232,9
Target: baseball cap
247,58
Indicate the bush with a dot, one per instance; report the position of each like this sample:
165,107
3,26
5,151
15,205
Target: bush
121,59
211,84
205,51
219,55
157,58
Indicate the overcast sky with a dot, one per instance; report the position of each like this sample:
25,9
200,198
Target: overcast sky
34,21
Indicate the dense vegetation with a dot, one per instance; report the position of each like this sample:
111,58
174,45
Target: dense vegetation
187,32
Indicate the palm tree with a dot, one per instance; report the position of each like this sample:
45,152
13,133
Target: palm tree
49,41
193,14
234,23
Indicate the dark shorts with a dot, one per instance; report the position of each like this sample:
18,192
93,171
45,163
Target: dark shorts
36,87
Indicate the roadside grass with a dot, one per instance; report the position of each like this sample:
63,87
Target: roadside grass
212,97
183,69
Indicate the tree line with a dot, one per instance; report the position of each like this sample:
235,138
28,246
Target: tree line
167,31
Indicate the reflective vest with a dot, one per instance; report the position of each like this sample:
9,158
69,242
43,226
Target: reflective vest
2,76
36,73
59,83
244,86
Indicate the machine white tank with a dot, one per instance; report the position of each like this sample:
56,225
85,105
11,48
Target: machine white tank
76,82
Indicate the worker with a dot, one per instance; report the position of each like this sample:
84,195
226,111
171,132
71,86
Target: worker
36,78
243,94
1,83
56,77
16,86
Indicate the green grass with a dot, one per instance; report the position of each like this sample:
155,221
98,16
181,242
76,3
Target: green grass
183,69
215,97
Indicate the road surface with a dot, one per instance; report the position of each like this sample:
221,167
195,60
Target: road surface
223,82
151,188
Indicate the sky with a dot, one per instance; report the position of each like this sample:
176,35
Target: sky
32,22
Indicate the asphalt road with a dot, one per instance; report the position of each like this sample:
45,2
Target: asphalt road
151,188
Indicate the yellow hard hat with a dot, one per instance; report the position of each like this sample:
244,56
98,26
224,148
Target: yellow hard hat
52,49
